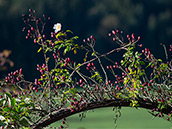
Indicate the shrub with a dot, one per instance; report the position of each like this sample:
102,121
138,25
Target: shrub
67,86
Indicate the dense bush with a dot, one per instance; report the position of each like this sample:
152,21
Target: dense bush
67,86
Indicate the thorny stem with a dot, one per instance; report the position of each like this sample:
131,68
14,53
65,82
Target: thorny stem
117,49
100,63
166,55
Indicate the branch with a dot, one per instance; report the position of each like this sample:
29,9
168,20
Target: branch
66,112
104,55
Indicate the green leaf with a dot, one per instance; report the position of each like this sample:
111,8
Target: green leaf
6,109
47,50
24,121
58,42
13,102
142,62
69,31
68,41
16,108
73,91
76,37
39,49
159,60
61,45
47,59
60,34
74,51
8,95
149,64
93,53
78,65
86,55
68,48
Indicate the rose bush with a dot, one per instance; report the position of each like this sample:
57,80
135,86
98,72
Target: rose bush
67,86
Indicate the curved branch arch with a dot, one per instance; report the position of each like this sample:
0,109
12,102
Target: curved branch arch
66,112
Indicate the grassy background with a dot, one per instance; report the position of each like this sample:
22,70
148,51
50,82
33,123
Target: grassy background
130,119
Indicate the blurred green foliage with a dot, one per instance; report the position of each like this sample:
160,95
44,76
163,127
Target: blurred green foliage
150,19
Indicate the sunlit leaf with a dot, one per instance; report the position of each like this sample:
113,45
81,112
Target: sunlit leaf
39,49
75,51
69,31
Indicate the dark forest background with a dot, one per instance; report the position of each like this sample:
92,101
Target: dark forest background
150,19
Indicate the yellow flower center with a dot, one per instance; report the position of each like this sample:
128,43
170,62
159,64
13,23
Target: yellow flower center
58,27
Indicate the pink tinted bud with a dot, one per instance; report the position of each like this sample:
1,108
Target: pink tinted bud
141,45
80,81
18,79
91,37
68,59
30,10
34,11
36,81
20,71
72,110
53,44
87,68
32,28
110,34
35,41
89,64
151,81
43,65
65,65
28,34
113,32
43,36
63,78
52,36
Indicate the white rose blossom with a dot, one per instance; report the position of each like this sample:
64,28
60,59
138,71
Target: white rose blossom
57,27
